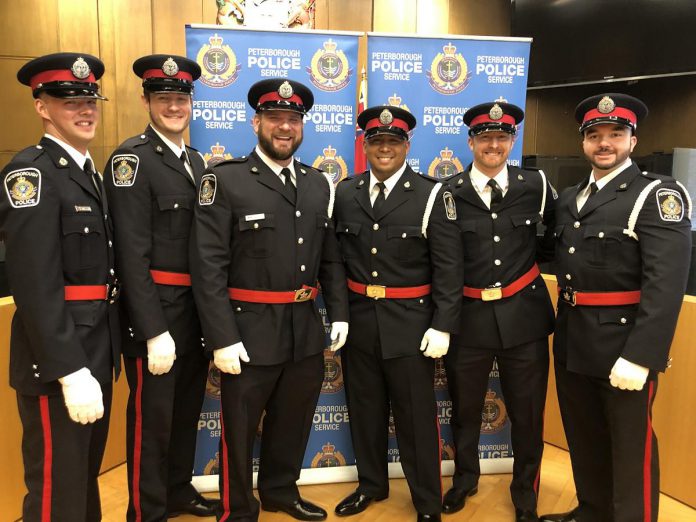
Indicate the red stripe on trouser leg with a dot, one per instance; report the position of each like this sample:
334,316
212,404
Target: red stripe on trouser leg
225,493
47,460
647,460
138,439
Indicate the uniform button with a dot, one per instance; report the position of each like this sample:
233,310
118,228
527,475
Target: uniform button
39,147
300,240
176,205
111,271
302,268
498,283
571,250
203,338
86,230
256,225
533,287
37,375
110,244
420,301
576,224
496,238
373,250
375,273
346,230
111,301
528,222
238,309
326,225
498,262
34,366
601,234
298,213
623,320
106,217
142,136
569,277
132,334
403,236
375,226
494,216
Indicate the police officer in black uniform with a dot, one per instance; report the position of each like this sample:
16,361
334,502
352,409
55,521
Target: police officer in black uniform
64,347
151,183
623,241
400,244
506,312
263,238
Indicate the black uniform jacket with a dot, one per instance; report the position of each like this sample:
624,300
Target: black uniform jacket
250,235
498,248
390,249
62,239
594,254
152,206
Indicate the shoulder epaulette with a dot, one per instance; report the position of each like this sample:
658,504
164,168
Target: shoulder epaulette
429,178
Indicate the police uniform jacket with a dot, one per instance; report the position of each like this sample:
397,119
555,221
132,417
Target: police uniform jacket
389,248
59,235
595,254
153,198
250,235
498,248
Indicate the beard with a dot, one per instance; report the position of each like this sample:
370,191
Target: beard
607,167
273,152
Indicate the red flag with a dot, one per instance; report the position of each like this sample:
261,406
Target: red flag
360,160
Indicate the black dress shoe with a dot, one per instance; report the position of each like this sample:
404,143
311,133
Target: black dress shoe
522,515
429,518
456,498
199,506
570,516
299,509
355,503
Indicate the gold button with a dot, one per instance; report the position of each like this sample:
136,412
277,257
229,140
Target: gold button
403,236
375,273
496,238
569,277
601,234
86,230
494,216
373,250
576,224
571,250
300,241
302,268
528,222
298,213
498,262
375,226
256,225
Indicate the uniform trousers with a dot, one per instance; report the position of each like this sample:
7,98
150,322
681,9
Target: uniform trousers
162,424
407,383
523,374
62,459
288,393
613,448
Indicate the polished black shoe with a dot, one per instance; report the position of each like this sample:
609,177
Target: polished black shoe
570,516
199,506
522,515
355,503
299,509
429,518
456,498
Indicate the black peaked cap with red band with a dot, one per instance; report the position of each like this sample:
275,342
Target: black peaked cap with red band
280,94
612,107
167,73
386,119
63,75
493,116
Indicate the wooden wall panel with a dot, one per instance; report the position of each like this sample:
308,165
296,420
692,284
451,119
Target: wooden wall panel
209,10
480,17
432,17
321,15
394,16
18,106
28,28
168,24
356,15
78,26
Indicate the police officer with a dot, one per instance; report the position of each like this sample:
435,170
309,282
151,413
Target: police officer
506,311
623,244
263,237
64,345
151,183
399,240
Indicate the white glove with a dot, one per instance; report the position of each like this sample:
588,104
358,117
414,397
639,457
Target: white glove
339,334
626,375
227,358
435,343
83,396
161,352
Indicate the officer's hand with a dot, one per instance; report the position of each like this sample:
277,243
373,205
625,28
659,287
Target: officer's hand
83,396
227,358
339,334
626,375
161,352
435,343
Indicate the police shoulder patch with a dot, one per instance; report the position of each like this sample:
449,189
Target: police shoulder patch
450,206
670,205
124,168
23,187
206,194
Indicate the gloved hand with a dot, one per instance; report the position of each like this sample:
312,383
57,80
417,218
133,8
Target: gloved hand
626,375
339,334
227,358
435,343
83,396
161,352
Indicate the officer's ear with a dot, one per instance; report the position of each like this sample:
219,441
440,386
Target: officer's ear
255,122
145,98
40,105
634,140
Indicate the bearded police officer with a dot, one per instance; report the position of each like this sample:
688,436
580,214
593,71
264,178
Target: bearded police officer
263,238
64,345
506,313
399,239
623,244
151,183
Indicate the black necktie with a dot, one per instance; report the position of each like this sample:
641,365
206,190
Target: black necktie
96,180
496,193
381,198
290,189
593,189
184,157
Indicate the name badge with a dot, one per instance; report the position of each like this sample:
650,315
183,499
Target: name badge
254,217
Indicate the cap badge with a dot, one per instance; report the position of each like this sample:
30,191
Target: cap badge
606,105
386,117
80,69
285,90
496,112
169,67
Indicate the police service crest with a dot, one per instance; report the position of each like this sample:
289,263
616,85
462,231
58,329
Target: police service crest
216,155
670,205
449,72
80,69
219,66
124,168
169,67
333,373
206,194
328,457
23,187
334,165
445,165
494,413
329,70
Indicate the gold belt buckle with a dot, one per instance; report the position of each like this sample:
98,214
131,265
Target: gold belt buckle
568,296
491,294
376,291
303,294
